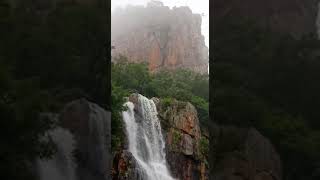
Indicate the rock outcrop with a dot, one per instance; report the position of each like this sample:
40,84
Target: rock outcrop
162,37
125,167
83,139
296,17
186,146
242,154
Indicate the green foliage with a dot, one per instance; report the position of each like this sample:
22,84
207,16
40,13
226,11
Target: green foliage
117,100
183,85
131,76
21,126
204,146
202,108
66,50
166,102
270,81
46,60
177,136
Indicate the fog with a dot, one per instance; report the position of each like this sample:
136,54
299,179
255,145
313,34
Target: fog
197,6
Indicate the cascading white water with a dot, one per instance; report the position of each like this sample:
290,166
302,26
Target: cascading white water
61,166
146,141
94,147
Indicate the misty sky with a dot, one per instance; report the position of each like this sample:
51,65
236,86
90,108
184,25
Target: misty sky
197,6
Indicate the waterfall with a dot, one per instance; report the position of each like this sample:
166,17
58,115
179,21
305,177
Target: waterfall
61,166
83,144
146,142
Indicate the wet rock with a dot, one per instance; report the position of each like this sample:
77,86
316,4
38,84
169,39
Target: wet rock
183,137
83,138
156,101
187,144
245,154
91,127
183,116
181,130
134,98
125,167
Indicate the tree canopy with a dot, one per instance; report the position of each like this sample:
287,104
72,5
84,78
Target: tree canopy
47,58
269,81
181,84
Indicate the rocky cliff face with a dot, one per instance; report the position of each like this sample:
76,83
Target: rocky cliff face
186,146
83,144
241,154
297,17
162,37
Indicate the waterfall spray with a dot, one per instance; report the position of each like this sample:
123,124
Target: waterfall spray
146,142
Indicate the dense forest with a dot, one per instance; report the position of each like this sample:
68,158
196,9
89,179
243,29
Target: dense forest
269,81
181,84
48,56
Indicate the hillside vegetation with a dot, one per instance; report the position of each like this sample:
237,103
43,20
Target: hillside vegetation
181,84
270,81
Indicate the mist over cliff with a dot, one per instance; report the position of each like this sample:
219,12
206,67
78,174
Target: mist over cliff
162,37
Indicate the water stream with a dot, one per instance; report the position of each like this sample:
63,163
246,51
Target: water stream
146,142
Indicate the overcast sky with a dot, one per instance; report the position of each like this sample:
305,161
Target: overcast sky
197,6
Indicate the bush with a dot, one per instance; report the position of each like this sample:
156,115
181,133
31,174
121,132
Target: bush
204,146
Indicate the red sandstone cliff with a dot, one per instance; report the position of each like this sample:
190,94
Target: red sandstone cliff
163,37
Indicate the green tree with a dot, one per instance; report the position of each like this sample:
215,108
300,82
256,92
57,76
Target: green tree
269,81
47,58
181,84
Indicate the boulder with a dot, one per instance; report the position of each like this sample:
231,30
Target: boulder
125,167
182,116
248,156
187,144
183,136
